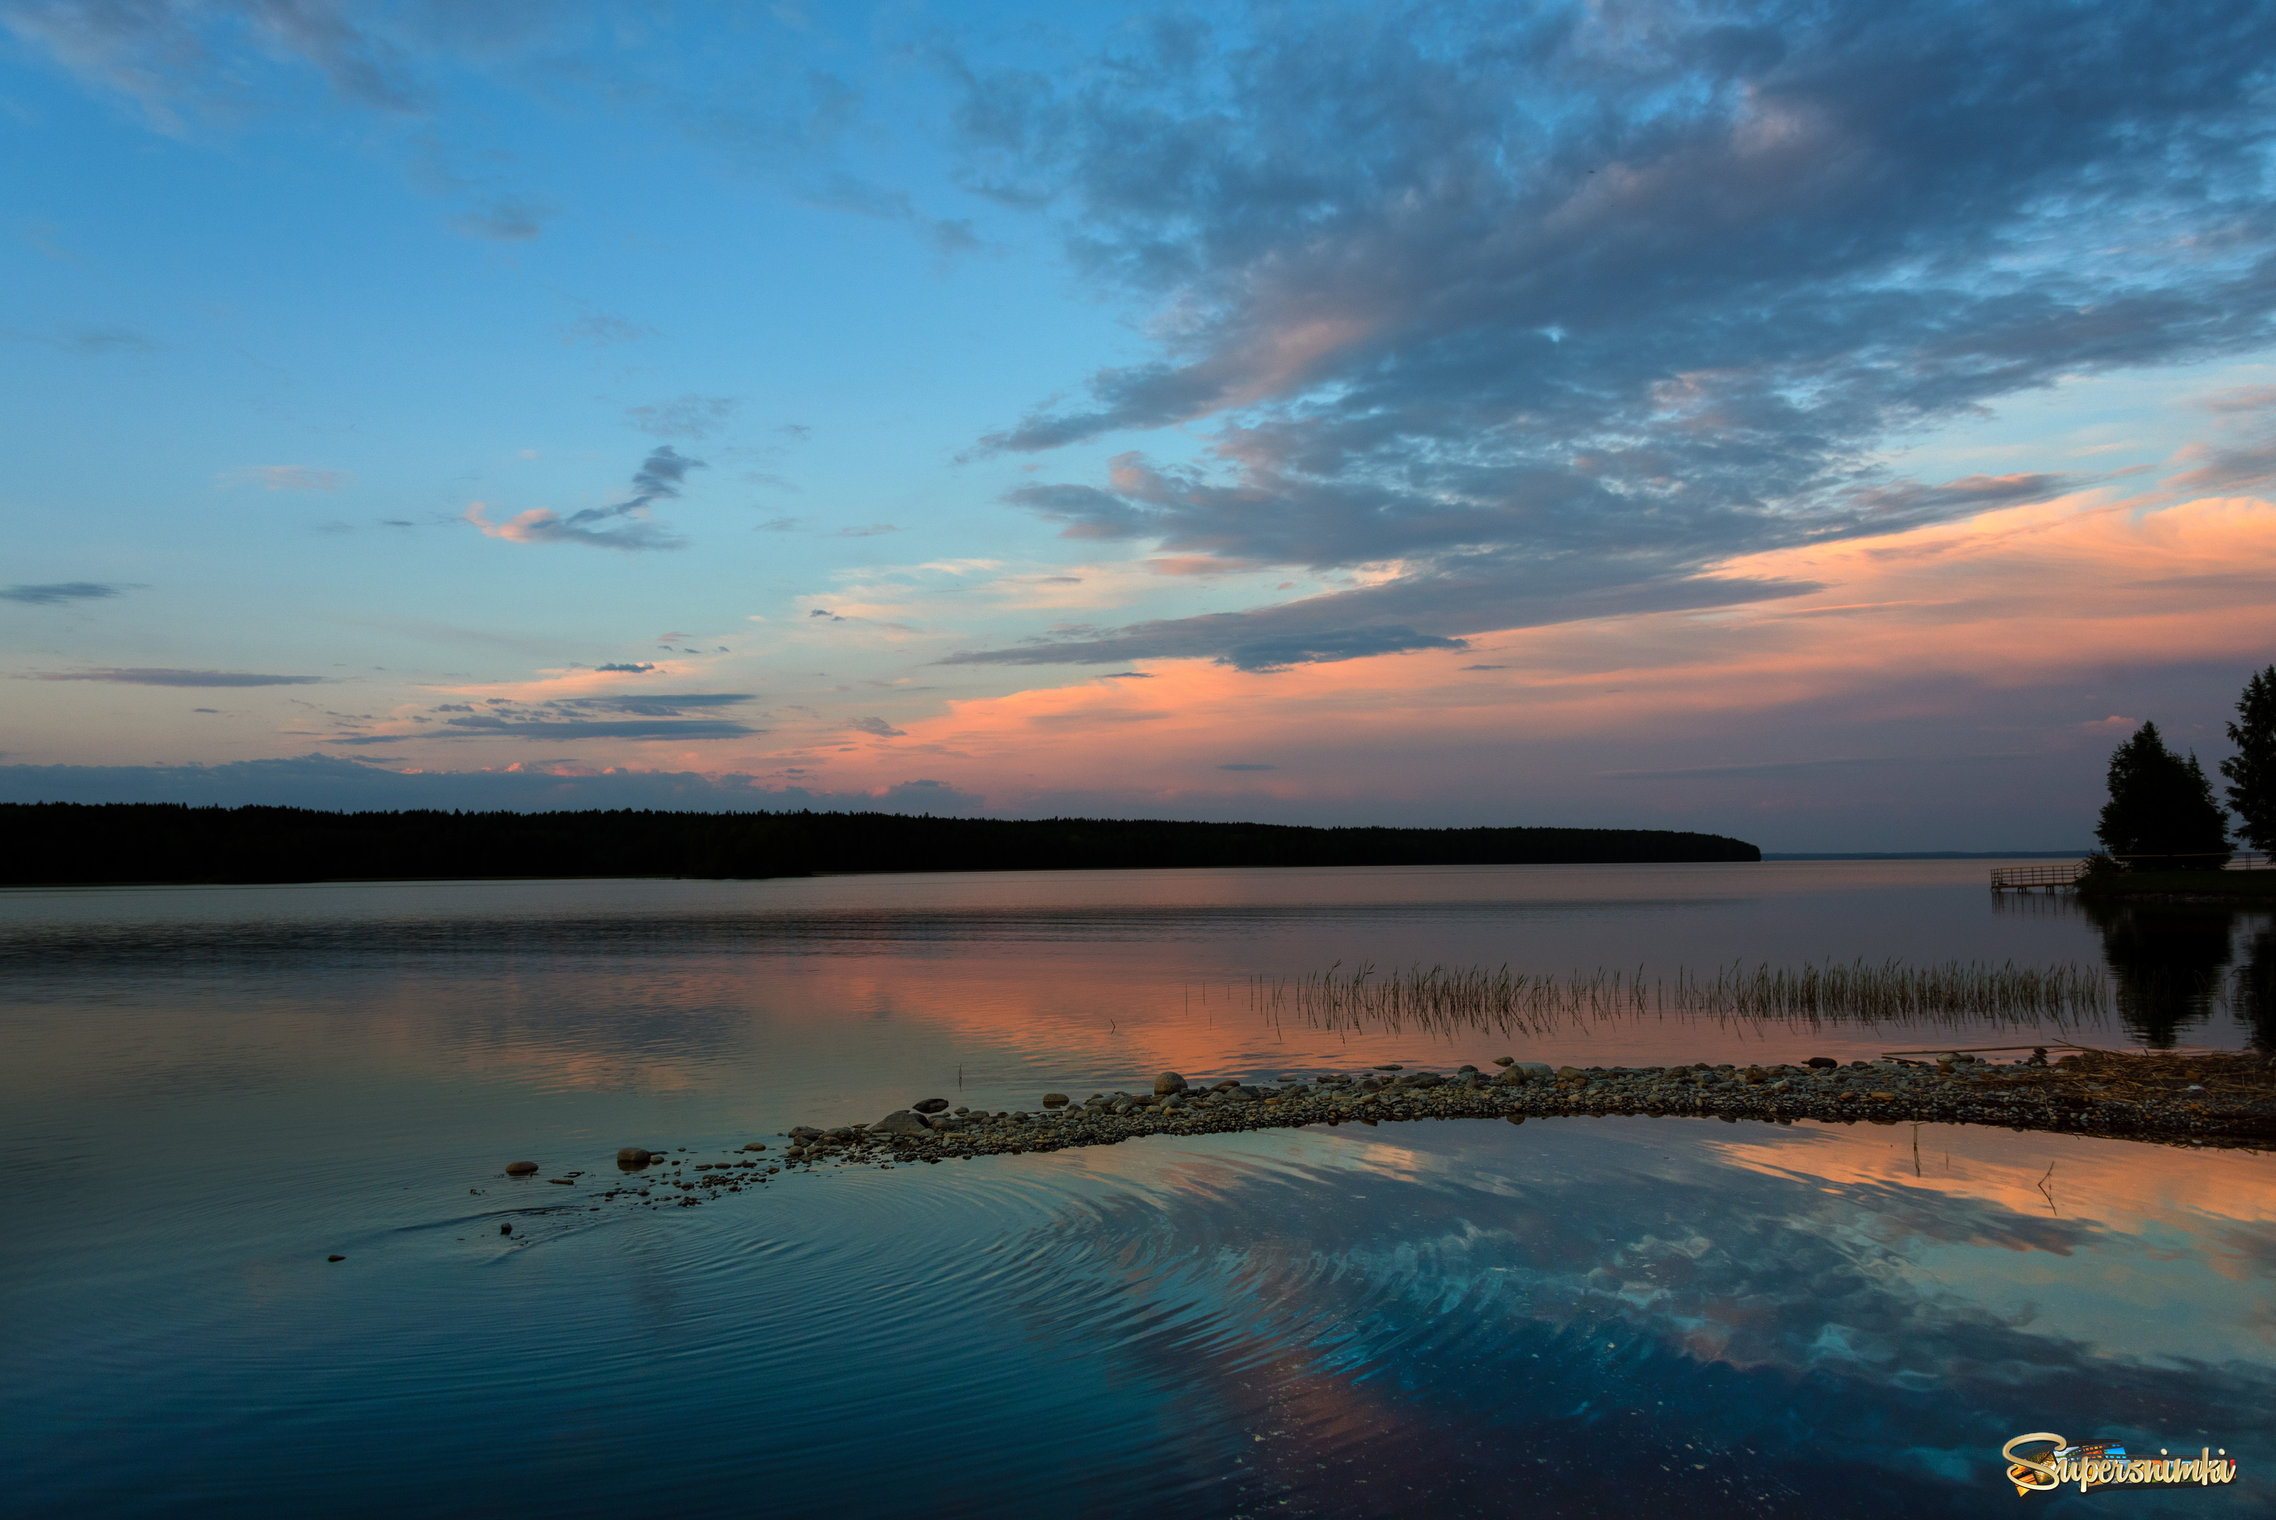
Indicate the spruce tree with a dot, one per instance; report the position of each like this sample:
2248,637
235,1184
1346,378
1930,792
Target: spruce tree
2161,815
2252,769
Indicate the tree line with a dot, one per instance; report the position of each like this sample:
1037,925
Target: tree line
2162,815
72,843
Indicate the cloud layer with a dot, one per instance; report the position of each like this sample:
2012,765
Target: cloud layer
152,676
51,593
326,781
682,715
1585,299
620,525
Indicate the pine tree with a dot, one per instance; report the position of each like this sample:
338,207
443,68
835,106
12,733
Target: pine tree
2161,815
2252,769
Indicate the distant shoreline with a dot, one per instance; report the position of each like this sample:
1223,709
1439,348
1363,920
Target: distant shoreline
1926,855
151,844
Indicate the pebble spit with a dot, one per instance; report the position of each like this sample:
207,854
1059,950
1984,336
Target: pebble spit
2223,1100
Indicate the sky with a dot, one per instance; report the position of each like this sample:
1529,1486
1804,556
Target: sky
1832,424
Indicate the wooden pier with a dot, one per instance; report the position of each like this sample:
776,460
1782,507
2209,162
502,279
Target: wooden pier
2053,878
2048,879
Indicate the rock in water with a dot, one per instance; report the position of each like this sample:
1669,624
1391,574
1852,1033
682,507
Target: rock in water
521,1169
1054,1100
900,1122
930,1106
335,1258
635,1156
756,1145
1505,1060
1168,1082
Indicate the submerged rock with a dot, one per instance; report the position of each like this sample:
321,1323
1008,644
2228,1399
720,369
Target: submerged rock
521,1169
633,1155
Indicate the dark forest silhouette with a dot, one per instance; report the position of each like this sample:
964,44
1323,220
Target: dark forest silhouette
70,843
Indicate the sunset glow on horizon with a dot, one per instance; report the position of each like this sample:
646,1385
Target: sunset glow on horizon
1834,433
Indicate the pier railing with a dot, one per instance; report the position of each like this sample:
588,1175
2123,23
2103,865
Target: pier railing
2048,878
2019,878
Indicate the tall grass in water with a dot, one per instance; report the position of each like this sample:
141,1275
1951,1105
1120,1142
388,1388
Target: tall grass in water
1447,1000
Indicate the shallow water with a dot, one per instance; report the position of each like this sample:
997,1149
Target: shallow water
207,1091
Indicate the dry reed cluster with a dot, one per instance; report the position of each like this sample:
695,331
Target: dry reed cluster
1449,1000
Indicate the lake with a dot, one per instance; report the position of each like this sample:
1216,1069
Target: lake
209,1091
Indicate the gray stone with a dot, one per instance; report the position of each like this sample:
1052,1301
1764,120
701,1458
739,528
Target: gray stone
931,1106
1168,1082
899,1122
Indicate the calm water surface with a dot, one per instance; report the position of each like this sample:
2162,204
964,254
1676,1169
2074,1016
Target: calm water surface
207,1091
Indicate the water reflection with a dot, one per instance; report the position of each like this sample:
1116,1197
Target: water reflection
2172,963
208,1095
1599,1318
1582,1317
2253,988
